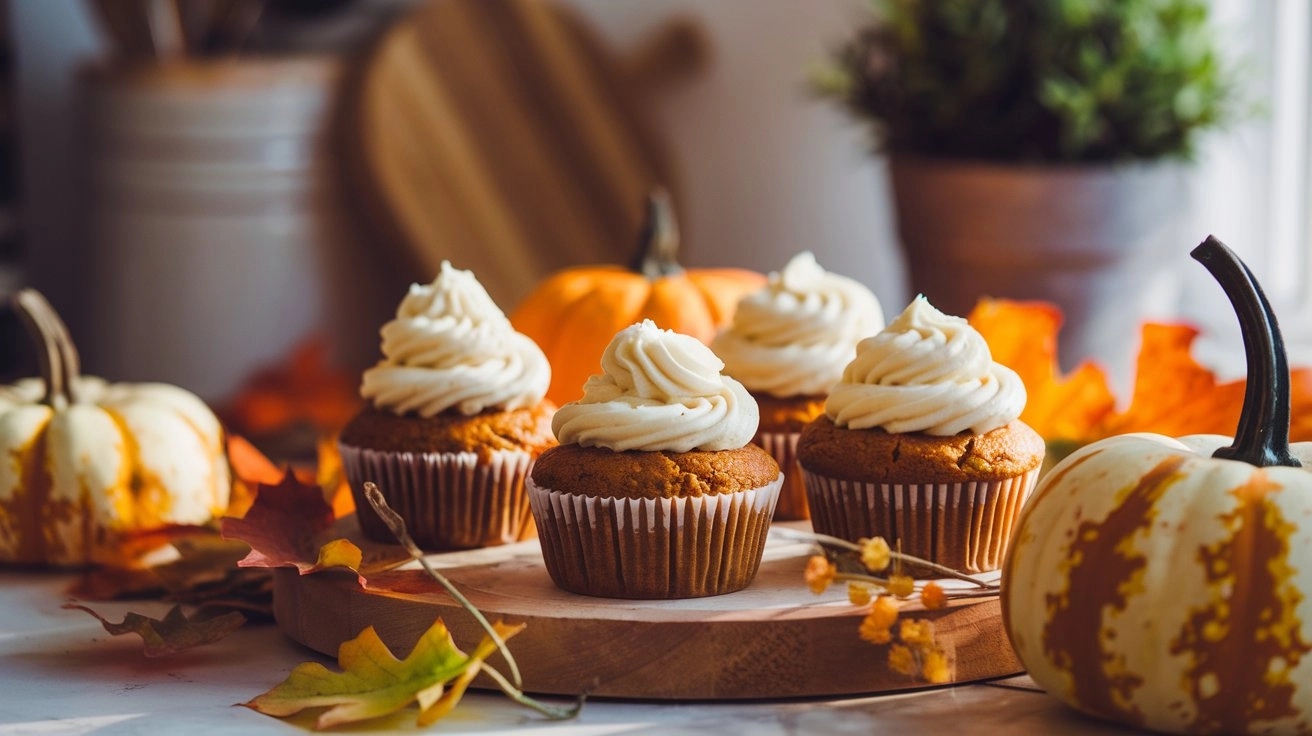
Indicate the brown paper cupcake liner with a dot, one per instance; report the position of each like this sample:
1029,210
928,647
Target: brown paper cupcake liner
782,446
653,548
965,526
449,500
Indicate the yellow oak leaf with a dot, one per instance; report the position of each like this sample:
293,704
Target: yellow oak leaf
373,682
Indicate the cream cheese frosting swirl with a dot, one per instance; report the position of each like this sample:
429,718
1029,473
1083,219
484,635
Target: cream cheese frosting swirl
926,372
658,391
793,337
451,347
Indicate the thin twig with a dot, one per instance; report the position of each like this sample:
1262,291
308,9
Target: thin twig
396,524
825,539
517,695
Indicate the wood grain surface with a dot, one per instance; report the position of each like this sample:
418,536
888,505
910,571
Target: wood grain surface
773,640
502,135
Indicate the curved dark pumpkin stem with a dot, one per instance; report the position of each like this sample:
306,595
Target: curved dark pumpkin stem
1262,438
59,360
658,244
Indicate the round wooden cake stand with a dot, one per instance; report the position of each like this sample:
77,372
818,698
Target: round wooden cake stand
774,639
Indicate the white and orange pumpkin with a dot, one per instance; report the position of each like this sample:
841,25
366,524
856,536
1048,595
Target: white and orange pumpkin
84,462
1167,583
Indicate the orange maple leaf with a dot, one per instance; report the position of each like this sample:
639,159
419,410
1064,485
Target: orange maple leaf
1173,394
1023,337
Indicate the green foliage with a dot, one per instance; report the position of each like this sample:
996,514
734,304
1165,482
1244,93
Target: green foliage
1035,80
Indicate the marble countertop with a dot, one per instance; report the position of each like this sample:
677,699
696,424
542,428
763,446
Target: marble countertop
61,673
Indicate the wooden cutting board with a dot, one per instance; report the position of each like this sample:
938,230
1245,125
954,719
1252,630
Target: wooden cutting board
773,640
502,135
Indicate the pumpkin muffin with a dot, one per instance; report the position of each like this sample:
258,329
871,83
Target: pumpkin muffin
788,344
655,491
455,419
920,444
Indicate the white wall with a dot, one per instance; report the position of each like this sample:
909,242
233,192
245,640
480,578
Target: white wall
766,170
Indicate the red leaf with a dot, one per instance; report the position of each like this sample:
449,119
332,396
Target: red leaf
291,525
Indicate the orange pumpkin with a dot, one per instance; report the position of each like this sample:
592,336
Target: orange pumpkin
573,314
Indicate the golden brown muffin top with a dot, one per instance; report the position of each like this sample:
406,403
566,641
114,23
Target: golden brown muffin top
876,456
483,433
788,414
598,472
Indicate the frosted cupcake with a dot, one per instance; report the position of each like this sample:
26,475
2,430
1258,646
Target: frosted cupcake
655,490
454,421
788,344
920,443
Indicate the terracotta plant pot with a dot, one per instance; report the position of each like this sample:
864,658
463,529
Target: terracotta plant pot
1087,238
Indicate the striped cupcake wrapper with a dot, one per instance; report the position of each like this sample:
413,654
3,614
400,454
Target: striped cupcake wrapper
782,446
653,548
964,526
449,500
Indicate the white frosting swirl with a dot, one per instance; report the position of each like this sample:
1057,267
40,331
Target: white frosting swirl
658,391
450,346
926,372
793,337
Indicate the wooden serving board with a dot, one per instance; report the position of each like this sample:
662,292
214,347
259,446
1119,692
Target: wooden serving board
773,640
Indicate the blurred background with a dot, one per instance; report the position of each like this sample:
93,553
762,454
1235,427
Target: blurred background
202,197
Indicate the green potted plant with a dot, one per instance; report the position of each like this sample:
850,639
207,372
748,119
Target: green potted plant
1034,145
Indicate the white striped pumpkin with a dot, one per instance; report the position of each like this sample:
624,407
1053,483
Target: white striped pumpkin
1155,585
84,462
1167,583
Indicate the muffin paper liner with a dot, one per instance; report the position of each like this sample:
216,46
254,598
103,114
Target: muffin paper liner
653,548
964,526
449,500
782,446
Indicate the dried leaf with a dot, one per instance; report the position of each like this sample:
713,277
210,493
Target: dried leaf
175,633
305,387
373,682
290,525
199,561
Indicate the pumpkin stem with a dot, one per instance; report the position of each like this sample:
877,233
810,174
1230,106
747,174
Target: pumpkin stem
658,243
59,359
1262,438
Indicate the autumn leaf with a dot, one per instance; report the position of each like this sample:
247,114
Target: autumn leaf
291,525
175,633
373,682
303,388
1023,337
200,562
1173,393
331,477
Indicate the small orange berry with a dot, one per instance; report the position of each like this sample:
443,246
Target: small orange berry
819,573
875,554
935,668
932,596
901,659
917,633
901,586
858,593
874,633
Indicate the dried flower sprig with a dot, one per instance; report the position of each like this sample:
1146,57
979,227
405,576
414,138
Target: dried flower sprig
916,652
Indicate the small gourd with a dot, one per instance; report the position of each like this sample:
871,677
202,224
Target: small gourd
86,462
573,314
1167,583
